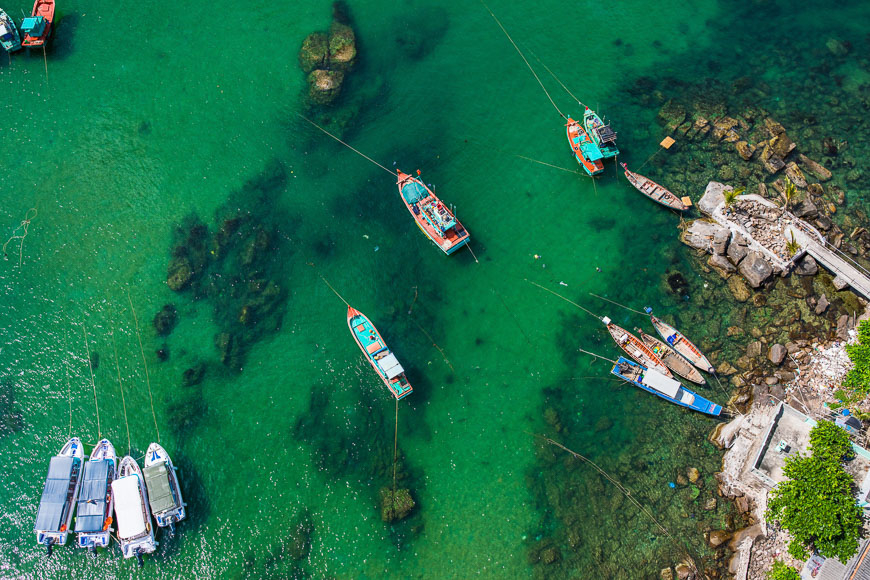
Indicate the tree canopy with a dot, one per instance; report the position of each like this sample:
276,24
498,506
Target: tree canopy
781,571
816,503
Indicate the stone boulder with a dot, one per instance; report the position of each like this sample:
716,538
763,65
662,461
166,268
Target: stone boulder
713,196
324,86
753,350
739,289
672,114
737,251
745,150
718,537
781,145
776,354
180,273
395,505
700,234
807,266
722,265
342,47
816,169
314,52
755,269
806,210
720,241
838,47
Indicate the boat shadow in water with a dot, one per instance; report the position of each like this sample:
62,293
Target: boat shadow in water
62,43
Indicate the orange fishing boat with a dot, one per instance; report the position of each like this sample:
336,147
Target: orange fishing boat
37,27
587,153
433,218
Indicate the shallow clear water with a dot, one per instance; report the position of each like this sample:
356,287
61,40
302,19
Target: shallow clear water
148,116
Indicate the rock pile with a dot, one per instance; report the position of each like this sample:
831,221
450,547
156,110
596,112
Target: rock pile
327,57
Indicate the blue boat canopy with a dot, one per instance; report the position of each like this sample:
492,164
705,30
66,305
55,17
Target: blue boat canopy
92,499
414,192
591,152
34,25
52,506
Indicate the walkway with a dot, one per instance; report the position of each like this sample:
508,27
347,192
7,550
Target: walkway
846,271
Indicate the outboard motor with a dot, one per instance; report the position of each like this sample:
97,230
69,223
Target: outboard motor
48,545
171,529
138,555
92,549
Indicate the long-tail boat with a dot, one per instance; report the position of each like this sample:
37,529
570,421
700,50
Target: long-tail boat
635,348
37,27
379,356
9,38
433,217
680,343
59,494
665,387
654,191
602,135
675,361
587,153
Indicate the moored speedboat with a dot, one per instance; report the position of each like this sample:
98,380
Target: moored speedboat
94,507
635,348
433,218
680,343
135,532
164,493
661,386
602,135
379,356
654,191
675,361
587,154
37,27
54,516
9,38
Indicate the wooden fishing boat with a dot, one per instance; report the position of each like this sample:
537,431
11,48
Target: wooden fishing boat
635,348
95,503
433,218
59,494
164,493
667,388
654,191
602,135
9,38
135,532
675,361
37,27
379,356
585,151
680,343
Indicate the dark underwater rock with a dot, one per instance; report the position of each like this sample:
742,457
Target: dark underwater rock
165,320
396,505
180,273
11,419
194,375
94,360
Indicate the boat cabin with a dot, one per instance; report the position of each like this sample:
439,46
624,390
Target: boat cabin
57,495
390,365
5,33
34,26
91,508
605,134
669,387
129,509
161,495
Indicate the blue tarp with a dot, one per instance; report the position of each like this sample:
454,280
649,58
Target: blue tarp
34,26
52,506
414,192
92,500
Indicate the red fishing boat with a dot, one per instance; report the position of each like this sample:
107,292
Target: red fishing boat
433,218
376,352
37,27
635,348
654,191
586,152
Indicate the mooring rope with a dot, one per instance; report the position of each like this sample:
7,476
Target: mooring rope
618,304
335,291
563,298
551,165
24,225
435,344
93,384
66,375
524,58
144,362
625,492
395,455
121,387
358,152
552,74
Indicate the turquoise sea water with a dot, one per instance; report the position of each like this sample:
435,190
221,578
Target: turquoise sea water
148,116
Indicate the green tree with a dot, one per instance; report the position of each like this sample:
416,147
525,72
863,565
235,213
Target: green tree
781,571
816,503
730,195
792,247
858,379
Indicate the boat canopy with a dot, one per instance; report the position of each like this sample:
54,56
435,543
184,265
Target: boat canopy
128,507
414,192
159,488
665,385
52,506
91,510
5,33
34,25
591,151
605,134
391,366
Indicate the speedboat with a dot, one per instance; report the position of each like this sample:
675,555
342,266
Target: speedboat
93,525
135,532
164,493
54,516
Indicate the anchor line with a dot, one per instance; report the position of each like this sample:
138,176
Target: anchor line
435,344
563,298
93,384
624,491
145,363
121,387
395,455
358,152
497,21
476,261
552,74
23,226
551,165
618,304
66,375
335,291
597,356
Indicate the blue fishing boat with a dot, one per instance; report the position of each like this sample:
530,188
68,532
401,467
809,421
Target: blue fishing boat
601,133
9,38
58,502
662,386
379,356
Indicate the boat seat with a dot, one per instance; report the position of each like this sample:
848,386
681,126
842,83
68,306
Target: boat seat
373,348
360,327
